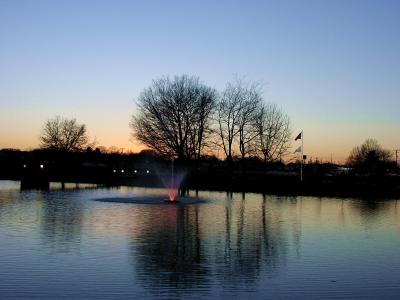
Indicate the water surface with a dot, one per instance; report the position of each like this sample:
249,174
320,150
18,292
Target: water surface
63,244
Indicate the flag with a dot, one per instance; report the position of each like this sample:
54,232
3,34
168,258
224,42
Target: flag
297,150
298,136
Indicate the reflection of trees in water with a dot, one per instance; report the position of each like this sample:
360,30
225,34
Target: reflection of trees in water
295,205
169,250
373,212
57,215
254,241
17,206
61,220
243,256
371,209
249,240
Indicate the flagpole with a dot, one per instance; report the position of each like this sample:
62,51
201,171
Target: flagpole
301,161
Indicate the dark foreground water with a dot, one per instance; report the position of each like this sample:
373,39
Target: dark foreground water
62,244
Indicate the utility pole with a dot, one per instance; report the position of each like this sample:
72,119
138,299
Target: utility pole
396,151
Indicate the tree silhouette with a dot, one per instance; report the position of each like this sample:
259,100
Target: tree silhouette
370,157
173,116
235,114
246,126
64,134
274,132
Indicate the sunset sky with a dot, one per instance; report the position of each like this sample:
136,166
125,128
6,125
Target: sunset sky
333,66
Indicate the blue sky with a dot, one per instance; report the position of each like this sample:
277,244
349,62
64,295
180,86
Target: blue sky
333,66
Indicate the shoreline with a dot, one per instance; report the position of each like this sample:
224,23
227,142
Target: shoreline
348,187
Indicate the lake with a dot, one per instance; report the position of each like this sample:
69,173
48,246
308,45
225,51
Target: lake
65,243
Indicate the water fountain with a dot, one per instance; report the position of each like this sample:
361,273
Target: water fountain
173,185
171,180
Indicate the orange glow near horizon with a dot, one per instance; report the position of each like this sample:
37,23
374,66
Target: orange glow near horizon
314,151
320,143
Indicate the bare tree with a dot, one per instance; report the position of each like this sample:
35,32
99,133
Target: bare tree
173,116
228,115
274,132
201,125
64,134
236,113
247,126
